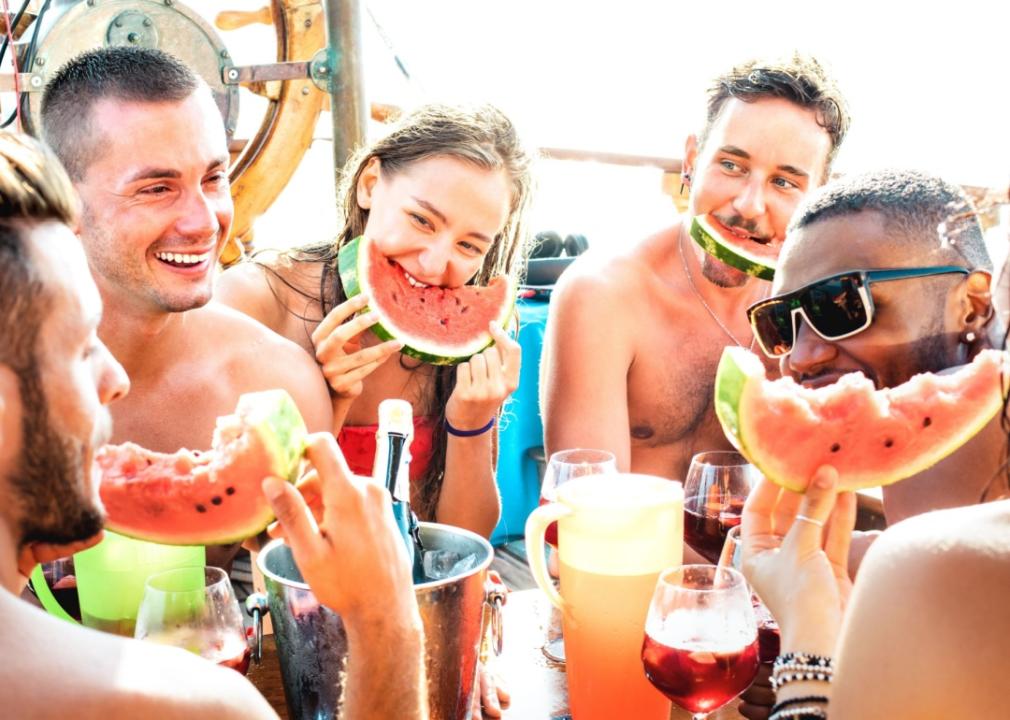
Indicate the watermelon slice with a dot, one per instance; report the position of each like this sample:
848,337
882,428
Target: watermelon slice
872,437
746,255
205,498
441,326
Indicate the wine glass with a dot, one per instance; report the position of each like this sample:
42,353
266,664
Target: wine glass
715,490
700,647
563,466
767,627
195,608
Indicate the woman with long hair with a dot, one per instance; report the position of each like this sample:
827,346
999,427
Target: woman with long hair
443,196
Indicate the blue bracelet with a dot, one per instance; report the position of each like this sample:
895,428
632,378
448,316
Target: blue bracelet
468,433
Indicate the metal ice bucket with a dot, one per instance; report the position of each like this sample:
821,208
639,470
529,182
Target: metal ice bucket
312,645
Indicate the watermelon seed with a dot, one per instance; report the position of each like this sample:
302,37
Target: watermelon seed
926,422
464,309
444,321
396,298
217,500
201,508
836,447
229,491
888,442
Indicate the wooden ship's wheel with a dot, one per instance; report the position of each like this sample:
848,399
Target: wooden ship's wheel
261,166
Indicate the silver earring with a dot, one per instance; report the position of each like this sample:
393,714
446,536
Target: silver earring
969,337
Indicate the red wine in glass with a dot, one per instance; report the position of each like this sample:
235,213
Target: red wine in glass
768,633
698,678
238,662
706,525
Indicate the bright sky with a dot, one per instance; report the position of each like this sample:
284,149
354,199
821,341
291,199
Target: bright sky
927,84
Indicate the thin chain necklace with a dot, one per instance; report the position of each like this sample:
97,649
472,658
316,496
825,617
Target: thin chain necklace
697,293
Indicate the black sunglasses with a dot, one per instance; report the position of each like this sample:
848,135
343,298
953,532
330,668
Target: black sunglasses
835,308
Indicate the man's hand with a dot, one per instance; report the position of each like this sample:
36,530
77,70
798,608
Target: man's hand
355,553
36,553
795,554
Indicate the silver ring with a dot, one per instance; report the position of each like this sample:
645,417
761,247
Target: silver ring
804,518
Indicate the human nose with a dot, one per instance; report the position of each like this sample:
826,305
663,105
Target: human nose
809,351
750,202
113,382
198,218
434,259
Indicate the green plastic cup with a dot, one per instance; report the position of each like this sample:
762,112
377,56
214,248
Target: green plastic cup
111,577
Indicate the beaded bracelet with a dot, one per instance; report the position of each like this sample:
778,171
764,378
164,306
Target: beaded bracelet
468,433
783,704
800,713
796,667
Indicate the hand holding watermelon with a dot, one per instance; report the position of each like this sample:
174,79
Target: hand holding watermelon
337,340
795,554
484,382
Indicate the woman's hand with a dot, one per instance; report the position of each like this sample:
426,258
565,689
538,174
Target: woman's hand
337,340
795,554
484,382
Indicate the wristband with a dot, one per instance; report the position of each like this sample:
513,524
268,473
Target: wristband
468,433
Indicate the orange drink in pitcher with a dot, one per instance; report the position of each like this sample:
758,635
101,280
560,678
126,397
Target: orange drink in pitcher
615,534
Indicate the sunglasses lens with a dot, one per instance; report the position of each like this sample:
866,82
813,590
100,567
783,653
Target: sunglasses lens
835,306
773,325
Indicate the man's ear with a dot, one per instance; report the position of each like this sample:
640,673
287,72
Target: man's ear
690,158
366,182
978,309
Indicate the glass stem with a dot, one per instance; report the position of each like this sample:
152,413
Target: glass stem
699,716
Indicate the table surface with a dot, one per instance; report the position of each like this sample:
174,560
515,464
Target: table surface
537,685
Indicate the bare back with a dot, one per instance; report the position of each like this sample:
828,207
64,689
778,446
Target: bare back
630,359
928,620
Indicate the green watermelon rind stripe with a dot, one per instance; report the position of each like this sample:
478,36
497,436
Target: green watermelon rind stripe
711,241
351,264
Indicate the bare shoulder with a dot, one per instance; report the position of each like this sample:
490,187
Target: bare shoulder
106,677
270,289
610,282
254,357
930,596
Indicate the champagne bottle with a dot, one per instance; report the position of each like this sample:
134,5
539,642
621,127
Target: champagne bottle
392,471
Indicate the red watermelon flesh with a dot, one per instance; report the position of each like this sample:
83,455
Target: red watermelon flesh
438,325
205,498
872,437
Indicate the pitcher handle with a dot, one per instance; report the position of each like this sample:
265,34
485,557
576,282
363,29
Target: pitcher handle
257,606
536,528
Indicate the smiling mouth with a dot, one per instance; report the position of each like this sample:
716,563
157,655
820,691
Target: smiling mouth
413,280
182,260
739,232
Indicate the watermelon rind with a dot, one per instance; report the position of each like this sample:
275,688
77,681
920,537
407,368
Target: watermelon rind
741,384
153,509
352,264
713,242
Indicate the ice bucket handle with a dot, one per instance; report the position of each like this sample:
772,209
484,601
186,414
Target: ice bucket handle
495,594
257,605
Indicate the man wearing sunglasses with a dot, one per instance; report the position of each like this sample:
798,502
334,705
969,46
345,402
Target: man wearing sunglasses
886,274
633,340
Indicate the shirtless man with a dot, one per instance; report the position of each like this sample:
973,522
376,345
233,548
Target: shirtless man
56,379
144,144
633,341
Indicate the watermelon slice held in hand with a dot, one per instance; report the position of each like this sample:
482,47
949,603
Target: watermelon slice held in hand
441,326
872,437
750,256
205,498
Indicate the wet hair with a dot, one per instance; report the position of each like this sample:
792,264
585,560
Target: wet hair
800,79
33,189
121,73
920,211
481,136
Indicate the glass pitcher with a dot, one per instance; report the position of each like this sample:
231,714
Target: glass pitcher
615,534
